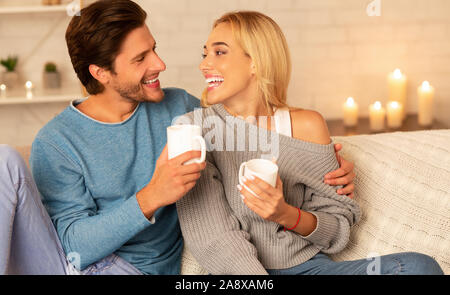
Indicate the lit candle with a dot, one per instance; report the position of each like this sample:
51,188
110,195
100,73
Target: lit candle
394,114
29,88
3,91
350,108
397,88
376,115
425,93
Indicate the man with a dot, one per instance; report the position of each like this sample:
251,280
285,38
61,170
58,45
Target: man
96,166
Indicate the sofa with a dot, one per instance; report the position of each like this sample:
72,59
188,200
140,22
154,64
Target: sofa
403,187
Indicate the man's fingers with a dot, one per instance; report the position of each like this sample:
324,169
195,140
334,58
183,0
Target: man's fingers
192,168
180,159
346,190
337,147
343,180
190,178
335,174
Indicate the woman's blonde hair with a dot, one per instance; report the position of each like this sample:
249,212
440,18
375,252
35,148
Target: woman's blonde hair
263,41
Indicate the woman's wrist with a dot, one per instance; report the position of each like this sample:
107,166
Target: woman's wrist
290,217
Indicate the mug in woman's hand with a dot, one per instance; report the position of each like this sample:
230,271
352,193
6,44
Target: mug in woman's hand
264,169
184,138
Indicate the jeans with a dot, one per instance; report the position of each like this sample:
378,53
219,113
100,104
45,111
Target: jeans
408,263
29,243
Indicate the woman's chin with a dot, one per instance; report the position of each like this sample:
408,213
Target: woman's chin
212,99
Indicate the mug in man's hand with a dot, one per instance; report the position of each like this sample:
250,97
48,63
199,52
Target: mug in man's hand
261,168
184,138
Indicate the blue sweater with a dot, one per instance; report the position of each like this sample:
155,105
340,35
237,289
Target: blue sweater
88,173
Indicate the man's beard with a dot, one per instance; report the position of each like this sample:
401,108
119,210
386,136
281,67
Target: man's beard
132,92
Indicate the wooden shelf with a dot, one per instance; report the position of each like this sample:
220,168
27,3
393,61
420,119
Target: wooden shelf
32,9
48,96
337,128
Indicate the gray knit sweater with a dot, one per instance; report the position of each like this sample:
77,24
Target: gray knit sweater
224,235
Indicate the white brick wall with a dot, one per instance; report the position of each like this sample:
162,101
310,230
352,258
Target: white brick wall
337,50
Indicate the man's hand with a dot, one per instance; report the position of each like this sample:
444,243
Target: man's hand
170,182
344,175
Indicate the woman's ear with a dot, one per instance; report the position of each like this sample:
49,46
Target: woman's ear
253,68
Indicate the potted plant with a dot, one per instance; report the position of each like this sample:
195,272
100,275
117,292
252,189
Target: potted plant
51,77
10,77
51,2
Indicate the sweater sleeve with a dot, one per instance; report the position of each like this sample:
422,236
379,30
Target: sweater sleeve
212,232
73,210
335,213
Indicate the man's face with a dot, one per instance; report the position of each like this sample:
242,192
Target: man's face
137,68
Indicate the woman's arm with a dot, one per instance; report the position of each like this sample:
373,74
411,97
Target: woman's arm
307,126
211,231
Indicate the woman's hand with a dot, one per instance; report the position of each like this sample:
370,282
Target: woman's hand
269,204
269,201
344,175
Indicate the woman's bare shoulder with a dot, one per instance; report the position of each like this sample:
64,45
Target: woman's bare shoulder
309,125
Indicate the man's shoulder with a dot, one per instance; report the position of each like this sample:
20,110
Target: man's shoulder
55,126
177,94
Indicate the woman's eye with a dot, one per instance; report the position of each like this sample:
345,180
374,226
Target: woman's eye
203,55
220,52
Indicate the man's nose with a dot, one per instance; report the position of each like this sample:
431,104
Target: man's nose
156,64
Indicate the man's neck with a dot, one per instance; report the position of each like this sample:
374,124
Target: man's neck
108,107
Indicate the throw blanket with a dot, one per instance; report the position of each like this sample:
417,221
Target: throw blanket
403,189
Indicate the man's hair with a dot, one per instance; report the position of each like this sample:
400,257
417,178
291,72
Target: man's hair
262,40
96,36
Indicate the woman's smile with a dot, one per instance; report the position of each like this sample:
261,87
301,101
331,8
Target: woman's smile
213,81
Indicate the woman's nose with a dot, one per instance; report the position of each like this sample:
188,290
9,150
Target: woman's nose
205,64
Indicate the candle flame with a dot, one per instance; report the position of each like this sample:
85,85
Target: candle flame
377,105
395,104
426,86
28,84
398,74
350,101
3,87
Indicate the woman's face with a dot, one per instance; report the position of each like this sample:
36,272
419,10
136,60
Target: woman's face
227,69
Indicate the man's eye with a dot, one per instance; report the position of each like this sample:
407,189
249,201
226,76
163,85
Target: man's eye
141,59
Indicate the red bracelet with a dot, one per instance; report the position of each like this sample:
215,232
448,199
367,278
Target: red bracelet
299,214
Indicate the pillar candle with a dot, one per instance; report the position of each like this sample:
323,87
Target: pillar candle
394,114
29,89
350,108
425,93
397,88
376,115
3,91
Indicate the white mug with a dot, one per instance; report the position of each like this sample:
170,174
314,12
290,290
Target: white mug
261,168
184,138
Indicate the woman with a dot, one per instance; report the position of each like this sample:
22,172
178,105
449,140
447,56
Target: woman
284,229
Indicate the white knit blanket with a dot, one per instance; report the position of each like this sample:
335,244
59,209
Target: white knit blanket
403,188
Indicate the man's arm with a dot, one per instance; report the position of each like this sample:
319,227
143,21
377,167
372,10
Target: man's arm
80,227
73,211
